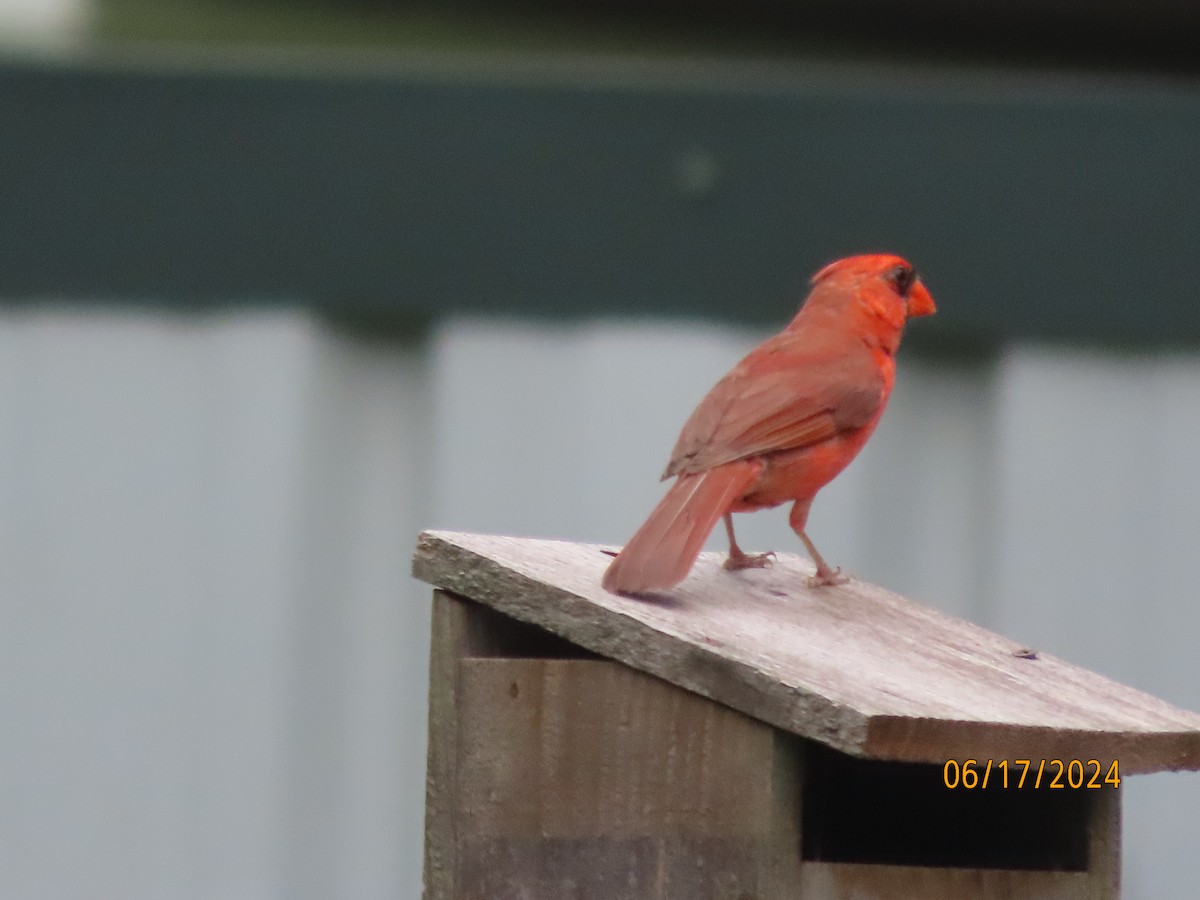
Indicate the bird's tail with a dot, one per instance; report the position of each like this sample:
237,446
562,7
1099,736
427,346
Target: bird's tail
664,548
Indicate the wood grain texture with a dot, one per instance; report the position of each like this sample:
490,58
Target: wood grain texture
571,777
450,636
856,667
1104,845
592,748
832,881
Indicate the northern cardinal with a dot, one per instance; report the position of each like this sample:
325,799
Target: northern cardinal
782,424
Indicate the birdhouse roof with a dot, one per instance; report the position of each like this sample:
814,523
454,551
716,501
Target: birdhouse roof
856,667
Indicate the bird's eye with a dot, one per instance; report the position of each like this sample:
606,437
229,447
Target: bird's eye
903,277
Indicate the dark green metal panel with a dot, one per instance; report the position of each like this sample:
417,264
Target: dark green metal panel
1033,209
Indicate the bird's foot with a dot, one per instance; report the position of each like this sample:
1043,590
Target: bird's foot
740,560
826,577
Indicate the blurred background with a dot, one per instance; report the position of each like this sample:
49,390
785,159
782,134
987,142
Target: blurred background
282,283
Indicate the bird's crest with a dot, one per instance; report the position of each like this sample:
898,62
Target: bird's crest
869,262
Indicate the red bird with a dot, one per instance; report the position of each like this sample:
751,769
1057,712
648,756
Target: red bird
782,424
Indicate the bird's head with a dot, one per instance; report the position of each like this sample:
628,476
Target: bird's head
888,283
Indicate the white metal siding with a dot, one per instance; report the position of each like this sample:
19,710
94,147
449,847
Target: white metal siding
213,663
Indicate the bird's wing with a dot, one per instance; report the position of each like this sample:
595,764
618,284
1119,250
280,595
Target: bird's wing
780,398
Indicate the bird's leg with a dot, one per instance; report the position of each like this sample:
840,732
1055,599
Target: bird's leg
738,559
825,574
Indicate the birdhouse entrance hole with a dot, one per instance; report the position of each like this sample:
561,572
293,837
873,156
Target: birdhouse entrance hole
868,811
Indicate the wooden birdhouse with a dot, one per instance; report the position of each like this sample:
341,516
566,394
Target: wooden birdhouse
748,738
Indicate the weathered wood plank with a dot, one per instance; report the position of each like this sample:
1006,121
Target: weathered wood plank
563,748
585,778
856,667
866,882
450,632
1104,845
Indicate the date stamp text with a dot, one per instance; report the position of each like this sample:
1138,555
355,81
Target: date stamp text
1030,774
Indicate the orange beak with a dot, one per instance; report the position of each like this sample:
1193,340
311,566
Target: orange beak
920,302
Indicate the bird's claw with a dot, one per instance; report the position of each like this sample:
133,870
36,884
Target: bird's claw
826,578
749,560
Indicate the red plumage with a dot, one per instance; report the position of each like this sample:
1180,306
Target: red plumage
782,424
